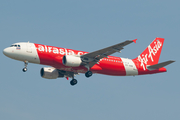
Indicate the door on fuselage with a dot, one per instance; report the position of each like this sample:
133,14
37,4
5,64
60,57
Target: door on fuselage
29,47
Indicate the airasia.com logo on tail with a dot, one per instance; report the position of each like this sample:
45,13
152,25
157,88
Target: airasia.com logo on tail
151,53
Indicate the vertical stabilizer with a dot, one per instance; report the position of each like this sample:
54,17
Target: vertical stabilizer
151,54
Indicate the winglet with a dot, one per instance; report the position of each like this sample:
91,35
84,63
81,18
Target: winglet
134,40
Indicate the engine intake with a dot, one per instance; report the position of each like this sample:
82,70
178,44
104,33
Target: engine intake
50,73
72,61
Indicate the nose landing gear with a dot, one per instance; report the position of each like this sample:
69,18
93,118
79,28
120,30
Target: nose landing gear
25,68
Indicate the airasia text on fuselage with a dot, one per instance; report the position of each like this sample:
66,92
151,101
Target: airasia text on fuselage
56,50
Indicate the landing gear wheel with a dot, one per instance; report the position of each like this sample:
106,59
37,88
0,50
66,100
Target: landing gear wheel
88,74
24,69
73,82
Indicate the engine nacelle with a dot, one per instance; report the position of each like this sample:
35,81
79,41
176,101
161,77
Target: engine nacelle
50,73
72,61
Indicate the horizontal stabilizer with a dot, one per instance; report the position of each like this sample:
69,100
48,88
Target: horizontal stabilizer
159,65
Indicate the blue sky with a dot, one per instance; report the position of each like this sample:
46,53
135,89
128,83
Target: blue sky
89,26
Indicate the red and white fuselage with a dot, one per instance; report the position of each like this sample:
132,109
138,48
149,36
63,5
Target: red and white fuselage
107,65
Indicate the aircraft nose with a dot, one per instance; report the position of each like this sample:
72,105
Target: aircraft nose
6,51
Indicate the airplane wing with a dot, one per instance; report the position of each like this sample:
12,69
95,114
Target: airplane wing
90,59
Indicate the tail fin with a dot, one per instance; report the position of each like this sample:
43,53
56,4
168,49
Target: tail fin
151,54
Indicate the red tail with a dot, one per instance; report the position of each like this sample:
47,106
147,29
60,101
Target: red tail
151,54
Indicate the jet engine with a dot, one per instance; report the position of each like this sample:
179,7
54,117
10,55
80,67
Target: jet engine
72,61
50,73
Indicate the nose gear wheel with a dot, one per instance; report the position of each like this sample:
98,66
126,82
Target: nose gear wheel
25,68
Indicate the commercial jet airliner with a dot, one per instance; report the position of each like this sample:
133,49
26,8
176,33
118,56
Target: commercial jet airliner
68,63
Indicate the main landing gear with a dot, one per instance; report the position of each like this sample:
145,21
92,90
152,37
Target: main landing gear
74,81
88,74
25,68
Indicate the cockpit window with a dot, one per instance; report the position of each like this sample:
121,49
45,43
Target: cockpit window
15,46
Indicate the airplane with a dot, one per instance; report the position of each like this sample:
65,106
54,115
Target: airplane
68,63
